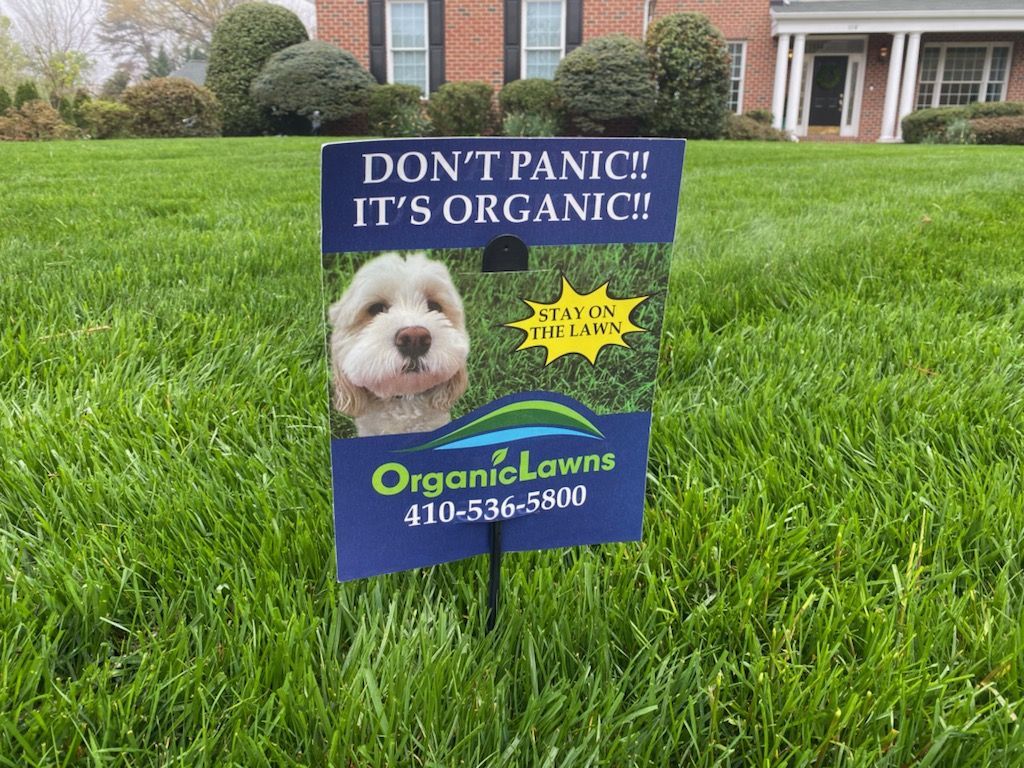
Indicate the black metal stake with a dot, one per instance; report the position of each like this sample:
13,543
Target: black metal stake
506,253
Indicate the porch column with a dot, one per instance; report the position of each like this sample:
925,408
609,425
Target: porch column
909,80
892,88
794,98
779,89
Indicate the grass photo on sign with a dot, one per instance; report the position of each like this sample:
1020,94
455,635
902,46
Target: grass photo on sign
501,362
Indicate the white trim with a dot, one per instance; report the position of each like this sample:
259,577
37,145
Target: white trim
796,71
908,93
743,73
888,21
779,86
426,41
847,127
522,34
892,88
986,72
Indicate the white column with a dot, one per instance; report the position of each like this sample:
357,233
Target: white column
892,88
779,89
795,97
909,80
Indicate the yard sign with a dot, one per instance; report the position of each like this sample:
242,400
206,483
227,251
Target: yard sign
462,398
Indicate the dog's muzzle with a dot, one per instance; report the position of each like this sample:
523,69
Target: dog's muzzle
412,343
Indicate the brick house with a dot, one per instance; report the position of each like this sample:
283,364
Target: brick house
826,69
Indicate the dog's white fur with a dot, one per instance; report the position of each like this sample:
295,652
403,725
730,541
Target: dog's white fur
373,382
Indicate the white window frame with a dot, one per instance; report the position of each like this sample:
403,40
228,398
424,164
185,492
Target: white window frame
524,51
426,41
743,73
940,70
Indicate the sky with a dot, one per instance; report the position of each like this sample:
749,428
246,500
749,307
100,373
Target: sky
104,65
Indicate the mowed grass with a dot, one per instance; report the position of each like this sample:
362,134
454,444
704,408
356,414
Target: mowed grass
831,572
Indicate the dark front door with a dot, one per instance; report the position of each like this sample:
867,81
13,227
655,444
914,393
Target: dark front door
827,86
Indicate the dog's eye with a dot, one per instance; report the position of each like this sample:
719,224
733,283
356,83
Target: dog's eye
375,309
433,306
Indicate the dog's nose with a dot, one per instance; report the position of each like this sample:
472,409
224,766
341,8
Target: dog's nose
413,341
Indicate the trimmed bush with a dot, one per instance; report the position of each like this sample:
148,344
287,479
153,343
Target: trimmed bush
759,115
24,93
245,38
397,110
35,120
932,125
529,124
172,107
6,102
959,132
746,128
998,130
462,109
313,76
532,96
691,65
605,86
107,119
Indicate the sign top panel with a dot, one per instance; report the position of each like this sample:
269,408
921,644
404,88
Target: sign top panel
464,192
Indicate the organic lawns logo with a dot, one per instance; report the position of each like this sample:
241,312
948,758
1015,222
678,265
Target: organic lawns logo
576,323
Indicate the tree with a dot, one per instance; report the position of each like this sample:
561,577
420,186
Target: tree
160,65
313,76
114,85
58,39
5,100
691,63
247,36
25,93
12,58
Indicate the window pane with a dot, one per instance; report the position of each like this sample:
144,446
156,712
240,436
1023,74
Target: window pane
964,64
929,65
544,25
957,94
735,75
542,63
924,95
408,25
410,68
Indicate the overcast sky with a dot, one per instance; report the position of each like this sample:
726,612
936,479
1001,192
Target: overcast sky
104,64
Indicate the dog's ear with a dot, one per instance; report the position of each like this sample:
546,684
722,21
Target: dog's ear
348,398
443,396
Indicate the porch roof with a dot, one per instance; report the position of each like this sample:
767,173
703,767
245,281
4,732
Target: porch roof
889,16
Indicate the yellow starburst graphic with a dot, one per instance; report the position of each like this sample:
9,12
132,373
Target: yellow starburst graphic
583,324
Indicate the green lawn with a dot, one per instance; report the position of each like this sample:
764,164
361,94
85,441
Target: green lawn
831,573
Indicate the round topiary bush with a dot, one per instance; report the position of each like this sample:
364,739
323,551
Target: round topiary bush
462,109
313,76
397,110
691,64
533,96
170,107
245,38
606,86
107,119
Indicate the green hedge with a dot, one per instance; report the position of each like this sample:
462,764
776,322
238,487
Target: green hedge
462,109
167,107
998,130
932,125
397,110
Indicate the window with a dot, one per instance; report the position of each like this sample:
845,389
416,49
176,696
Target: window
543,37
408,44
957,74
737,53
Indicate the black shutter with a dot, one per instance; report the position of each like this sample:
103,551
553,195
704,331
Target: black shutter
435,25
378,41
513,33
573,25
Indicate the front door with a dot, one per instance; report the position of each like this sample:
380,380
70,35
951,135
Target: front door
828,83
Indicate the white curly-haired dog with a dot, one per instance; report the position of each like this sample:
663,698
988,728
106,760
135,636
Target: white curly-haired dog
398,346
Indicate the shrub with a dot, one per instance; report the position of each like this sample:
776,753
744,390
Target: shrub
606,86
931,125
959,132
170,107
746,128
999,130
107,119
35,120
397,110
462,109
5,100
245,38
24,93
313,76
532,96
71,109
759,115
691,64
529,124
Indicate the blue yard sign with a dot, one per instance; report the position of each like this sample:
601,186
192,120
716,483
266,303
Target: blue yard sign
521,395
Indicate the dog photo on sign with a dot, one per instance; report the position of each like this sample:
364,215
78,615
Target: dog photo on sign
398,346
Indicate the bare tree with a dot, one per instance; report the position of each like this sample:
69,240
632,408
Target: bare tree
58,37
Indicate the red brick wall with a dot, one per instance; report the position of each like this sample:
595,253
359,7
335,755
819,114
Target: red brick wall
474,42
346,24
